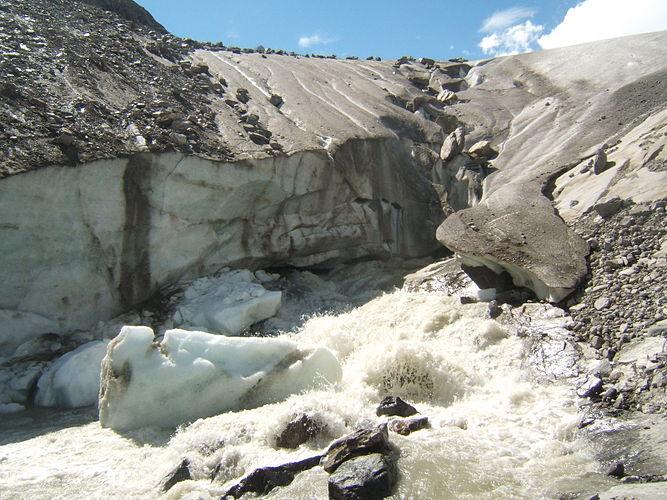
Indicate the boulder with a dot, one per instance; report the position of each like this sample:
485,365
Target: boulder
264,479
600,163
298,431
361,442
483,149
366,477
453,144
276,100
179,473
395,406
518,233
408,425
608,208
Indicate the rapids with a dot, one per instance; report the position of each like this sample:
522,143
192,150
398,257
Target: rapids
498,429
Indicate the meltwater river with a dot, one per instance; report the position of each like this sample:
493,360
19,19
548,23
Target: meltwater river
497,430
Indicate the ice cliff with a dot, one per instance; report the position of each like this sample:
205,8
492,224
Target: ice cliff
133,159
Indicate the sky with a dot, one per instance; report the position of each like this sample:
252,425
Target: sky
440,29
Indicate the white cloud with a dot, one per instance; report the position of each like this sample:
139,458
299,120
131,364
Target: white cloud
505,18
599,19
512,40
316,39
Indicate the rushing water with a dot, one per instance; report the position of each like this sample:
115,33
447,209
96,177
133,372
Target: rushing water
496,432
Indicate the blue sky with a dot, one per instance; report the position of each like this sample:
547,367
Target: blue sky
440,29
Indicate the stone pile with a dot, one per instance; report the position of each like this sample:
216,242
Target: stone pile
620,311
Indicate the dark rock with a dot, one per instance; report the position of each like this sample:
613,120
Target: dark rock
364,478
616,470
276,100
468,300
361,442
297,432
395,406
590,387
180,473
429,63
408,425
242,95
597,342
608,208
600,162
493,310
258,138
263,480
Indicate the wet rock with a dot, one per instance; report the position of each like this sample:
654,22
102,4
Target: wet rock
408,425
263,480
180,473
493,310
590,387
361,442
395,406
297,432
616,470
364,478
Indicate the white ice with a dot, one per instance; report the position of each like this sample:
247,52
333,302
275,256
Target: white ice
74,379
228,303
195,374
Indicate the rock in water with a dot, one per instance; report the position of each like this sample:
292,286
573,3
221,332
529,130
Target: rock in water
361,442
194,374
180,473
364,478
264,479
395,406
407,426
297,432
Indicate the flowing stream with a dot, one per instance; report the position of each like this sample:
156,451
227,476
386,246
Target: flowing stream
497,429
